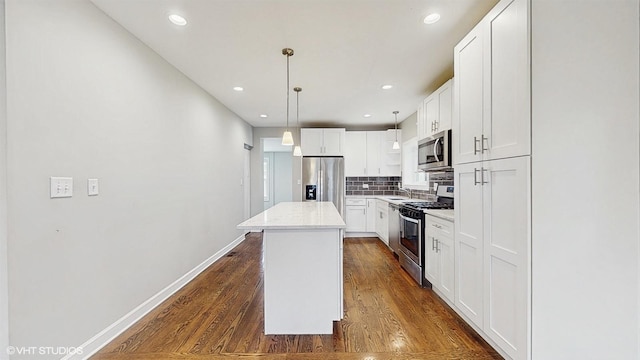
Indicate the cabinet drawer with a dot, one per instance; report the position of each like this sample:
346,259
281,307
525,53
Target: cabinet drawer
356,202
436,225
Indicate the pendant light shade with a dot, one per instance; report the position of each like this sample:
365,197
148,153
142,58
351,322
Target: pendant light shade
297,151
396,145
287,138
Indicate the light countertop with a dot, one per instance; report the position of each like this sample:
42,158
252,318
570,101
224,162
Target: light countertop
296,215
443,214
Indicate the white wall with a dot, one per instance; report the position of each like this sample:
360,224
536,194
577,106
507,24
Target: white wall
585,168
87,99
4,286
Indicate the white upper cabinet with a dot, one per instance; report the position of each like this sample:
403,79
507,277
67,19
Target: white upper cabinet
322,142
438,109
491,87
435,112
371,153
421,124
355,155
468,89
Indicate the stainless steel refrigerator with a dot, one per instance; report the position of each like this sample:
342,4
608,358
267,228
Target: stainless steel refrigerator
323,180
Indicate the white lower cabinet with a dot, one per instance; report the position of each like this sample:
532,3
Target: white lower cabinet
371,215
492,249
440,259
361,215
382,220
356,215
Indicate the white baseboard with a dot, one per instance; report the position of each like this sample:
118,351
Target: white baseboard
360,234
104,337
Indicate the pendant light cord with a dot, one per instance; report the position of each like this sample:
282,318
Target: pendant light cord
287,91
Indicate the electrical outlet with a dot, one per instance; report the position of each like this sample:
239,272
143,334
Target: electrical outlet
435,186
365,186
61,187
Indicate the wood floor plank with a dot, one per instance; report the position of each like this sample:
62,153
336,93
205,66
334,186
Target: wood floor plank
219,315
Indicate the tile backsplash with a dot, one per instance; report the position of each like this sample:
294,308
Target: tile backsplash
440,178
388,185
378,185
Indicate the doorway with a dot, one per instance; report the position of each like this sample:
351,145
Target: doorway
277,172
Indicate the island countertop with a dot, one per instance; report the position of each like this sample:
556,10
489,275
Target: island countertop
296,215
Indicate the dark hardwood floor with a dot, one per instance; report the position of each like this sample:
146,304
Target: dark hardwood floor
219,315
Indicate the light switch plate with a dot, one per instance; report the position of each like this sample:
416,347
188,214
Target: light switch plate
92,187
61,187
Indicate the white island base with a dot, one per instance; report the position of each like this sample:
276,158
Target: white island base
302,262
302,281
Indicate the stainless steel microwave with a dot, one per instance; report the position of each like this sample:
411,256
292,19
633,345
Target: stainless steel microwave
434,152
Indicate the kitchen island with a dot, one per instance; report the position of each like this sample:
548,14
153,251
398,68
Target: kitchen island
302,266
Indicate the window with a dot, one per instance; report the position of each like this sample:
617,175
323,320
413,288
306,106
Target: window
411,176
265,172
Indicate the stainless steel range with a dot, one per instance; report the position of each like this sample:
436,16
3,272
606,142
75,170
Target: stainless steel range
412,215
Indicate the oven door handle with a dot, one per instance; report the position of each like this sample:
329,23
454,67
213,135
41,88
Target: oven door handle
409,219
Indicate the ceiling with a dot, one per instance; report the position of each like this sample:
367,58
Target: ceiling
345,50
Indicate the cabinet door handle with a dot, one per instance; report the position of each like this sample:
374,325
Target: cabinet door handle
437,247
482,182
475,177
483,140
475,145
437,226
433,243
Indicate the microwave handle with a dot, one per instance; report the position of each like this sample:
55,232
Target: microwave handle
435,150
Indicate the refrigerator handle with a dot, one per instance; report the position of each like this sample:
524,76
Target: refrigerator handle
320,185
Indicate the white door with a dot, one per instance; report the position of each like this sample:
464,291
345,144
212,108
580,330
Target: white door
356,218
507,108
506,253
468,97
468,241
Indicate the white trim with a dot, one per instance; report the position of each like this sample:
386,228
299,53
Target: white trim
104,337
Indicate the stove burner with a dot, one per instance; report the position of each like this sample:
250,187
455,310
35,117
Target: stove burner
428,205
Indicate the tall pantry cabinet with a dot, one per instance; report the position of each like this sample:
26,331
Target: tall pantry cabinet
546,254
492,148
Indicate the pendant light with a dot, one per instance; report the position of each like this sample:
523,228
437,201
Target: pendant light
396,145
287,138
297,151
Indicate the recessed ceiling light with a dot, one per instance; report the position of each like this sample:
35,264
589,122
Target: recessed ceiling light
238,88
432,18
263,115
387,87
177,19
367,115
